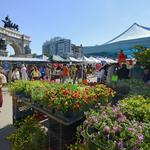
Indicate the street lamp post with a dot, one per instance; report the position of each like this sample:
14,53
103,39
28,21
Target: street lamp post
82,56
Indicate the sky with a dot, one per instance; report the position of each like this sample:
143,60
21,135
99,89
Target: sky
86,22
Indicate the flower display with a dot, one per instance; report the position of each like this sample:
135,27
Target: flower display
64,97
136,107
109,128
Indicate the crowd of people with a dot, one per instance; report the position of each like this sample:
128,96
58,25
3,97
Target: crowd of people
123,71
50,72
76,73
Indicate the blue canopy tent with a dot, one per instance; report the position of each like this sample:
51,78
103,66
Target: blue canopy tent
134,35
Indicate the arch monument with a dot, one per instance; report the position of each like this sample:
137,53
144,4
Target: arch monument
10,35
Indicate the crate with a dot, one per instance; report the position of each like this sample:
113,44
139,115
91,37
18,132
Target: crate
20,110
61,135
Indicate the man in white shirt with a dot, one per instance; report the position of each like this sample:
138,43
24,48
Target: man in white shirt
24,75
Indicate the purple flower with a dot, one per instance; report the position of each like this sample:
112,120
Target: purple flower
104,114
115,109
122,118
116,129
107,130
132,130
140,127
138,142
140,136
120,144
135,148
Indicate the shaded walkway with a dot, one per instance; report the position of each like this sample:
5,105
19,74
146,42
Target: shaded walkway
4,144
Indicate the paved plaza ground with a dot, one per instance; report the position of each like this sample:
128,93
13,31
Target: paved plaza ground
6,110
6,120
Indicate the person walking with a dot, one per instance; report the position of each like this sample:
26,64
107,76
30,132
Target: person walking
24,75
48,73
15,74
1,84
123,72
137,72
101,75
112,69
78,74
65,73
146,77
35,74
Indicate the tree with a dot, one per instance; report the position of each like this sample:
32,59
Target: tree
34,55
143,55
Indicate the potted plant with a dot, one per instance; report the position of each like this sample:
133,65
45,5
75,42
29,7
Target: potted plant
109,128
29,135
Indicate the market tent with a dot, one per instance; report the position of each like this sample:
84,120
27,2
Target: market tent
94,59
86,60
21,59
101,59
109,60
106,60
42,57
134,35
57,58
136,31
72,59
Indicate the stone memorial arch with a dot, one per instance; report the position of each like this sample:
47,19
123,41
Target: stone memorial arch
9,35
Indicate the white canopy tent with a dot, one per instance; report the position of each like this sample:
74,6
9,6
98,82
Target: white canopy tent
72,59
57,58
106,60
86,60
110,61
95,60
21,59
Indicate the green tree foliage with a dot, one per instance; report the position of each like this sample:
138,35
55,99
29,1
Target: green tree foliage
34,55
143,55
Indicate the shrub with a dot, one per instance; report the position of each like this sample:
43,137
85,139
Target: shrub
108,128
28,136
129,87
136,108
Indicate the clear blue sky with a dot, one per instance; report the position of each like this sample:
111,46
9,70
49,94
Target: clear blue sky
87,22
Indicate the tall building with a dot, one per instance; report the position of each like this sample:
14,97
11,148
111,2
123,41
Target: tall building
76,51
57,46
